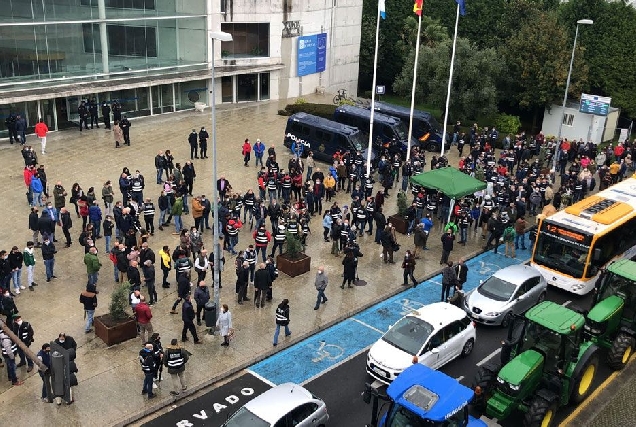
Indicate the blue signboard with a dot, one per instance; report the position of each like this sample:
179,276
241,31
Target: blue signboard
312,54
592,104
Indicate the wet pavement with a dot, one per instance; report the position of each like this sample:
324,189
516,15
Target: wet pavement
110,378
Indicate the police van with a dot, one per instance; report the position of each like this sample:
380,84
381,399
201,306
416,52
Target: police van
323,137
388,131
425,128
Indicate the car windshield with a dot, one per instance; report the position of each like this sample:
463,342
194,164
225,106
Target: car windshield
561,255
434,123
614,284
409,334
244,418
497,289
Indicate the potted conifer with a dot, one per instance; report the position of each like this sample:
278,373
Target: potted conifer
117,325
399,220
293,262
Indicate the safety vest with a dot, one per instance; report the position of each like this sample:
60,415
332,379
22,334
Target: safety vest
280,236
175,358
261,238
250,256
231,230
248,199
136,185
271,184
146,358
292,227
370,208
361,215
368,184
24,334
287,182
149,209
14,348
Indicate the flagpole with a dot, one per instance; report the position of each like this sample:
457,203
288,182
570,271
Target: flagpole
450,82
417,54
375,71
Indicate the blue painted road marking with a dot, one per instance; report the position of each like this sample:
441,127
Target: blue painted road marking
321,352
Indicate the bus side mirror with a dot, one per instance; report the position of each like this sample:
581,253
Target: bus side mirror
597,254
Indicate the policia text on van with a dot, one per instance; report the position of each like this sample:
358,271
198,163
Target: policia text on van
323,137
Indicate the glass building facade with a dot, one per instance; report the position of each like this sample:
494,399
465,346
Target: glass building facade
118,49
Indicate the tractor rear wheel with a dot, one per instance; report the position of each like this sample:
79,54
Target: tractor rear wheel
485,380
621,351
582,386
541,413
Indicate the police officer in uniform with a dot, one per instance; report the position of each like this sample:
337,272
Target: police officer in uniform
279,239
83,115
24,332
9,352
175,359
194,144
203,143
93,109
147,361
106,114
124,124
149,215
116,111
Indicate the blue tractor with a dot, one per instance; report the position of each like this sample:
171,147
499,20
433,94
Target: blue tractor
423,397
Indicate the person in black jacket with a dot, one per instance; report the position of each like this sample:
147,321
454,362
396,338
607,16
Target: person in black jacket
183,290
93,108
408,264
349,275
16,261
134,278
46,225
34,226
124,124
447,245
67,223
24,331
282,319
48,256
461,269
387,239
262,284
380,223
82,110
106,114
187,315
203,143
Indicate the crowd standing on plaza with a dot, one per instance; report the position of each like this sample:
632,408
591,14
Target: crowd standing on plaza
529,176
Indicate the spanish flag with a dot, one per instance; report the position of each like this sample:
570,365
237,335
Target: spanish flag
417,7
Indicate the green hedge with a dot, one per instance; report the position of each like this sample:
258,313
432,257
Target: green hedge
321,110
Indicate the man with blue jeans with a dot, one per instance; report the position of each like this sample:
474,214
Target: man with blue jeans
48,255
259,149
45,357
147,360
321,284
520,229
92,265
89,299
282,319
9,352
160,163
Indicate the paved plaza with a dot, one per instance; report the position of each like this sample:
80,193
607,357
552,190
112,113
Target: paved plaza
110,379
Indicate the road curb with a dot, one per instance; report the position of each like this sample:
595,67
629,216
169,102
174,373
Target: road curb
225,375
585,413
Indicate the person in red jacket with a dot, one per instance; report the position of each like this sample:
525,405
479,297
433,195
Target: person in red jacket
143,315
41,129
247,149
262,237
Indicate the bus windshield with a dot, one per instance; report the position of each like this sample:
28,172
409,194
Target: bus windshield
562,255
401,131
358,141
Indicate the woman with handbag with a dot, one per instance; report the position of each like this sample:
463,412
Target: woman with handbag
224,324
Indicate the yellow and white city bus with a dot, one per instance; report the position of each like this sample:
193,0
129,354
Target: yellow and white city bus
574,244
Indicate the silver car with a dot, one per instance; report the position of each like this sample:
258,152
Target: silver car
512,290
286,405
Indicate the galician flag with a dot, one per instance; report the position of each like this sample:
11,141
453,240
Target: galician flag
417,7
382,8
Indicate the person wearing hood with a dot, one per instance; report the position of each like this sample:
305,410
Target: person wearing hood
24,331
203,142
89,299
7,304
29,262
9,352
175,359
66,341
282,319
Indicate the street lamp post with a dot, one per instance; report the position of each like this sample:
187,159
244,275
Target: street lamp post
567,85
225,37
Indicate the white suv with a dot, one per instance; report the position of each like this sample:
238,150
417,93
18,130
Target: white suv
433,336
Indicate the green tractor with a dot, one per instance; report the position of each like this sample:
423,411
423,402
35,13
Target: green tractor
611,322
546,363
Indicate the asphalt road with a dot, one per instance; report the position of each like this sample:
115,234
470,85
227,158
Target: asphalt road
341,387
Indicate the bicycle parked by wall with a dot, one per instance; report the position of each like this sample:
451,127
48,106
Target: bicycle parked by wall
341,96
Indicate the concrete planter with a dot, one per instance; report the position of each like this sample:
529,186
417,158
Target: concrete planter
400,223
293,267
114,331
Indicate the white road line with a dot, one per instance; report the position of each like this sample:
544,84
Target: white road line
434,281
265,380
367,325
334,366
490,356
565,304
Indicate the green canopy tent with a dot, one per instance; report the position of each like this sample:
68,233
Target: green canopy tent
450,181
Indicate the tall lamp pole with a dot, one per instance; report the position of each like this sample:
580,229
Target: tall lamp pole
567,85
224,37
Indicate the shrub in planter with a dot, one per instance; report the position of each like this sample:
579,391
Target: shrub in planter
399,220
293,262
117,326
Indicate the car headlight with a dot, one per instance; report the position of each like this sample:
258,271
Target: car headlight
514,387
500,380
592,331
493,313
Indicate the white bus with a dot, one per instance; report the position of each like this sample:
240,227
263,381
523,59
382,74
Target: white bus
572,245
